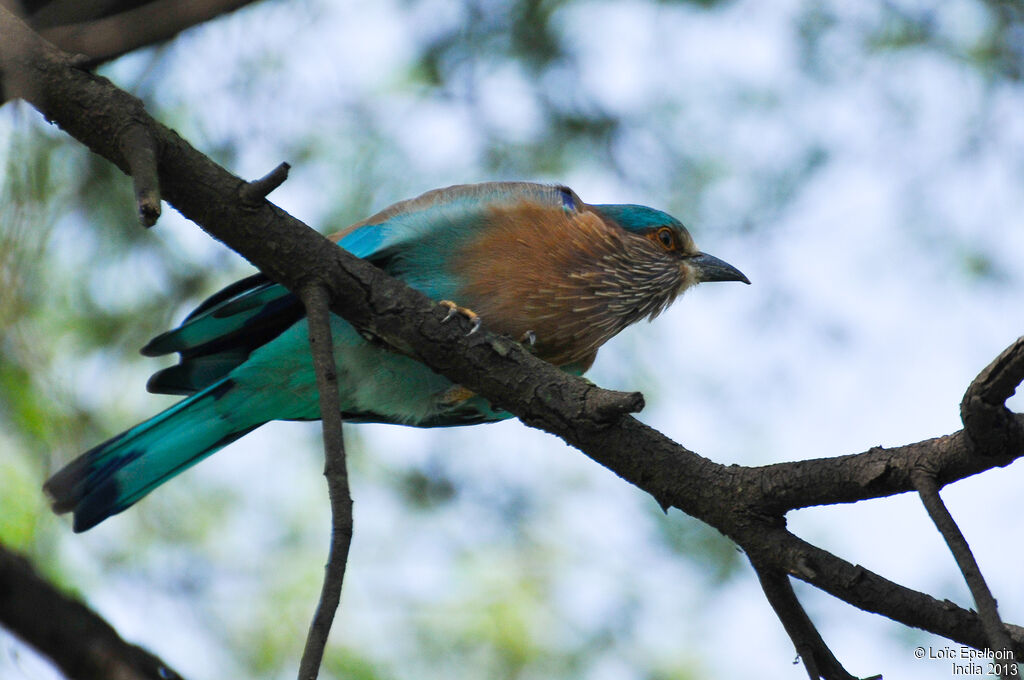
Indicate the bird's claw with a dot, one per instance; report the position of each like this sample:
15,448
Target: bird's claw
454,309
529,338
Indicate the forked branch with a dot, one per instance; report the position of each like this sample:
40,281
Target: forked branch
817,658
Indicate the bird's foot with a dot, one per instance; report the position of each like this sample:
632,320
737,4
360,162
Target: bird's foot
528,340
454,309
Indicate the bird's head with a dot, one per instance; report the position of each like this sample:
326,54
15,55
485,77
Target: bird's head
669,243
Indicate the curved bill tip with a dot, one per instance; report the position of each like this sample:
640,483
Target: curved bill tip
710,268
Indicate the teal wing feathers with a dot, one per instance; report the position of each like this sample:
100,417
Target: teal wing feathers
413,240
221,334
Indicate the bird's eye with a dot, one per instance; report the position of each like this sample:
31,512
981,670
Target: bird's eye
666,237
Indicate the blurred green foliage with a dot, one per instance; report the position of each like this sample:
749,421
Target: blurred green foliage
83,287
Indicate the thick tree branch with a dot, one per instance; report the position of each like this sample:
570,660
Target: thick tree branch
747,504
74,637
104,37
315,300
990,425
874,473
779,549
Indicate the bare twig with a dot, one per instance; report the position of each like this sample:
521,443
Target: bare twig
986,419
140,153
74,637
316,301
607,406
944,522
815,654
259,189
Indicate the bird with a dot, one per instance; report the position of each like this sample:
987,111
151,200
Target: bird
530,261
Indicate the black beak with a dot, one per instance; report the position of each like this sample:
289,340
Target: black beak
710,268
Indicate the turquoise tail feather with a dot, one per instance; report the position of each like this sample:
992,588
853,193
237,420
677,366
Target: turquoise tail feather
114,475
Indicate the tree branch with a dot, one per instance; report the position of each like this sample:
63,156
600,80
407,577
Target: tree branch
110,36
779,549
74,637
944,522
140,154
989,424
318,318
874,473
257,190
815,654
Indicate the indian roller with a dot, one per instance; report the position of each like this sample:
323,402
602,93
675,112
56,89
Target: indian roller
532,261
